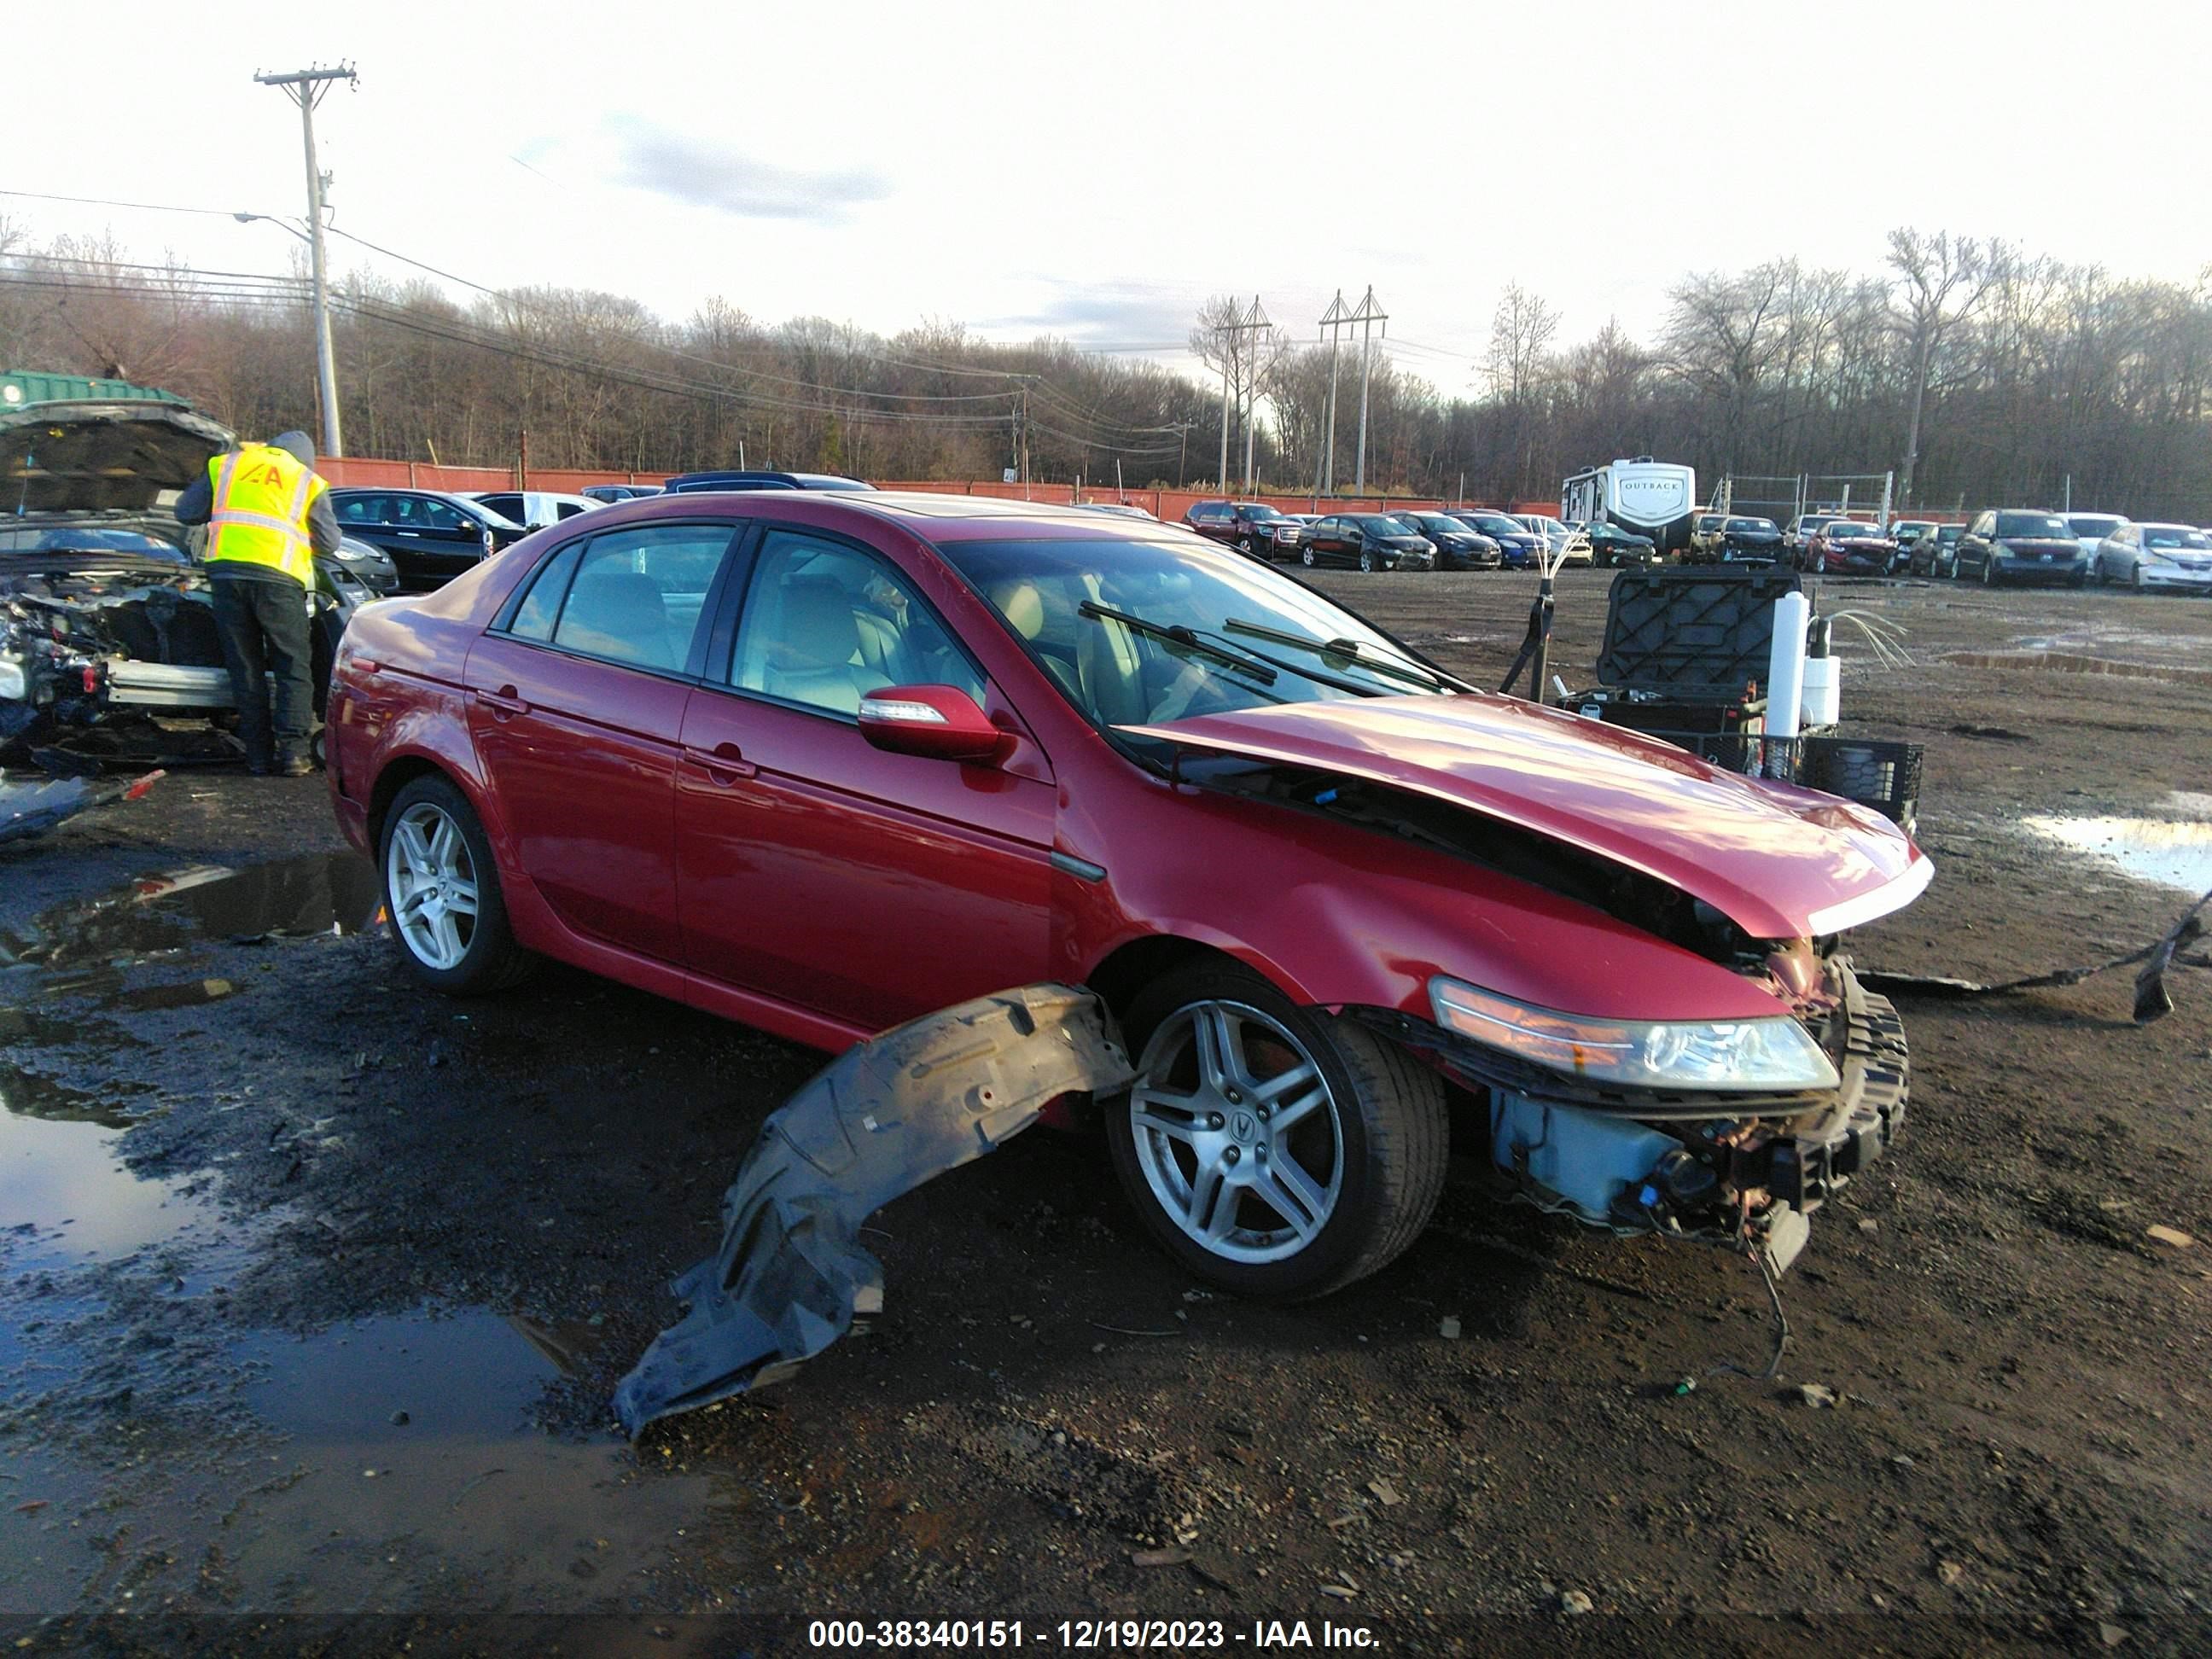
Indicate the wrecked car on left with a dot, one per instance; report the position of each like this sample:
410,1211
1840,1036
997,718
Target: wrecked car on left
105,617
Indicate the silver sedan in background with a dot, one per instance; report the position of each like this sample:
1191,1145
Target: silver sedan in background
2144,557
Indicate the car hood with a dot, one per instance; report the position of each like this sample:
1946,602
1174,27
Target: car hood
1779,861
98,456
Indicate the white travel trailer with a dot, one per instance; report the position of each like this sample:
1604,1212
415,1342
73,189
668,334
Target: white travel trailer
1651,498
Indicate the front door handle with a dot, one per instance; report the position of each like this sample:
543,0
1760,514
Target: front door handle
504,704
725,765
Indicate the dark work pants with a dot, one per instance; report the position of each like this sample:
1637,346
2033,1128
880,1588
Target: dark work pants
263,624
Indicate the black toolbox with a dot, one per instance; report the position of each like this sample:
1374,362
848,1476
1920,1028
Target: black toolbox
1684,657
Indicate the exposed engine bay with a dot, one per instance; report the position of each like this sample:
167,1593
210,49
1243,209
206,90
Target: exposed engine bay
109,652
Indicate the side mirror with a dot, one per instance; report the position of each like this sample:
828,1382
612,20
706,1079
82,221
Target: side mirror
937,722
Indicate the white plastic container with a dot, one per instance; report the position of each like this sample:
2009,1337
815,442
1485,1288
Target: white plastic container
1785,666
1823,692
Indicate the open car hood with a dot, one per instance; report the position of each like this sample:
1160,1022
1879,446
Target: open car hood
1779,861
100,457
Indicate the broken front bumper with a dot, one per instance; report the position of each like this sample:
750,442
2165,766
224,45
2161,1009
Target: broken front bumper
1719,1168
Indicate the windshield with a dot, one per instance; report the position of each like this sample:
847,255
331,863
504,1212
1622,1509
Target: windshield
1259,512
1709,521
497,519
1751,524
2098,524
2175,535
1844,529
2033,524
1496,524
1122,675
1386,524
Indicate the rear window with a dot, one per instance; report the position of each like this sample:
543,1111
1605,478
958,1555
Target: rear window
2034,524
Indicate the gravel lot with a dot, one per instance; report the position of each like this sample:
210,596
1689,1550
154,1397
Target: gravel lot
317,1285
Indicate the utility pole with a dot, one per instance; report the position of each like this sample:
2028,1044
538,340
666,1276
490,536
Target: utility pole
306,88
1368,315
1332,320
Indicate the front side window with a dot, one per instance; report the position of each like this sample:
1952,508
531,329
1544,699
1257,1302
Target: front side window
440,515
825,624
637,594
2033,524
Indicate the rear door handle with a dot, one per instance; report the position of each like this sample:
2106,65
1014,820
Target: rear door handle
504,704
726,765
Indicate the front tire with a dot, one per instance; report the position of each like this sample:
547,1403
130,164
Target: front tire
441,892
1366,560
1271,1150
1245,545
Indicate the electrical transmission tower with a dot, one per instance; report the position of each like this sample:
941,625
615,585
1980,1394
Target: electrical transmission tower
1367,316
306,88
1251,322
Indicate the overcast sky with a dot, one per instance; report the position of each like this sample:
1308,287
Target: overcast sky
1096,172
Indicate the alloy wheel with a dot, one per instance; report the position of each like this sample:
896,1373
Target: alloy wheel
1366,560
433,883
1305,555
1236,1132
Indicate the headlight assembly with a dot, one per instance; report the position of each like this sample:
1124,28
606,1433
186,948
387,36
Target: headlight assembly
1767,1055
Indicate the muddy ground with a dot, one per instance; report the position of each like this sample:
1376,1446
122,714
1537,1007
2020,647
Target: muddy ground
316,1286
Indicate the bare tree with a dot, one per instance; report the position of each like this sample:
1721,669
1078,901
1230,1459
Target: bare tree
1941,281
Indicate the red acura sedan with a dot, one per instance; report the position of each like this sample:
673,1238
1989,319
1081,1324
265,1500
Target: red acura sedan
824,763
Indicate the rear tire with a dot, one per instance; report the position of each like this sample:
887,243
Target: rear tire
441,892
1236,1083
1306,557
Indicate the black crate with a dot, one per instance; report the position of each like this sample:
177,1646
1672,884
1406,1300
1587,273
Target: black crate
1669,717
1877,772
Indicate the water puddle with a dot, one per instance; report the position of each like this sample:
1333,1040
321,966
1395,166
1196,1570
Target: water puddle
330,894
65,1198
417,1470
2166,852
2061,662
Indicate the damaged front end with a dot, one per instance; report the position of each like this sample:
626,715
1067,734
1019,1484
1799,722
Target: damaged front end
1578,1123
886,1116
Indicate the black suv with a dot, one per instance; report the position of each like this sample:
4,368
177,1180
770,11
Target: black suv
2021,545
1251,527
686,482
431,536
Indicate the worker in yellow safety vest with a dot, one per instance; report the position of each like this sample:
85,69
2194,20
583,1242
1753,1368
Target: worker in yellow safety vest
268,515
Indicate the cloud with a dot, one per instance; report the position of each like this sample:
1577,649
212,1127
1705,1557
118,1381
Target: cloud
700,173
1106,313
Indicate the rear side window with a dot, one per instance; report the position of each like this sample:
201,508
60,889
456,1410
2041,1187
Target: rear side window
362,509
541,605
631,596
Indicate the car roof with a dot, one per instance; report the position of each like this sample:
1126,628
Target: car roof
931,517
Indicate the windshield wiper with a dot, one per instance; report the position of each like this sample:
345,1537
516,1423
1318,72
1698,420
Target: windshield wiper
1189,639
1392,667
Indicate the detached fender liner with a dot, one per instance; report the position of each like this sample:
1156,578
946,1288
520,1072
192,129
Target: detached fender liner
878,1121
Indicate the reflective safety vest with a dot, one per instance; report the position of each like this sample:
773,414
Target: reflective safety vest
262,495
